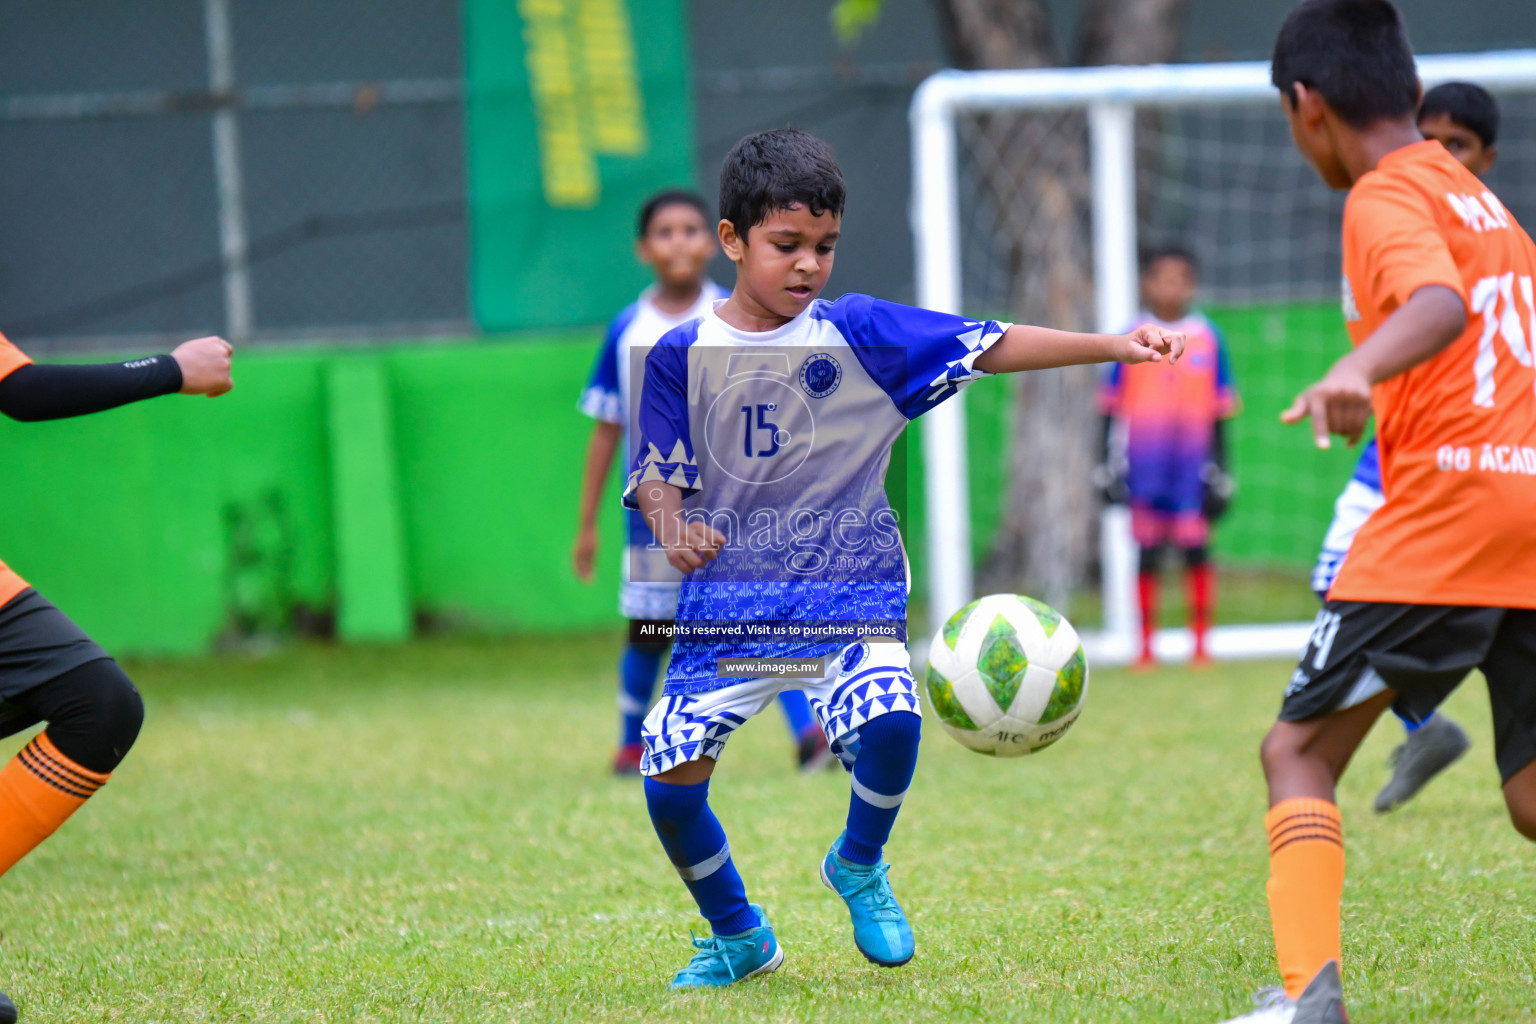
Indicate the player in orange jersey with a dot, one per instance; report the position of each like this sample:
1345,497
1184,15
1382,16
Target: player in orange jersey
50,671
1464,118
1438,293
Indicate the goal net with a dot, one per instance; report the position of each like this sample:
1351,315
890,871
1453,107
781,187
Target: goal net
1192,155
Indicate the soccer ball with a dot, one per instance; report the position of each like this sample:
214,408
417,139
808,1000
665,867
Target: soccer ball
1006,675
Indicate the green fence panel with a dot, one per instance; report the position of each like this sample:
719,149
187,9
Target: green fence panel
154,525
373,594
491,454
1286,486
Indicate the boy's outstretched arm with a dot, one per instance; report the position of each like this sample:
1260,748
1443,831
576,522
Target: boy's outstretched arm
600,449
689,543
57,391
1040,348
1418,330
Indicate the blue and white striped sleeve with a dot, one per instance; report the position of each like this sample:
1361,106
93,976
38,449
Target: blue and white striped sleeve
602,399
666,451
918,356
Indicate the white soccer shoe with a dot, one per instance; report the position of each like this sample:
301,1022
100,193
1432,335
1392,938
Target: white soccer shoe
1274,1007
1321,1003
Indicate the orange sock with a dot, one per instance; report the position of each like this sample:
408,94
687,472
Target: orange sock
39,790
1306,886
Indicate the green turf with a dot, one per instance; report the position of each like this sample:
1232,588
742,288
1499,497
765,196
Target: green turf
430,834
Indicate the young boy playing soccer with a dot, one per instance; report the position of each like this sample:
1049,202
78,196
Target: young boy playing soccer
1174,443
774,416
676,242
1463,118
50,671
1439,579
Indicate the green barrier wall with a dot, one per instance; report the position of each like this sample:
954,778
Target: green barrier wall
491,454
441,481
145,523
162,525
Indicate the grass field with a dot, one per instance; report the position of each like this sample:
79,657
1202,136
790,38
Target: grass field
429,834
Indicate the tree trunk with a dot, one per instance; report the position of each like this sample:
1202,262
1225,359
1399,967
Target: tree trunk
999,33
1034,171
1132,31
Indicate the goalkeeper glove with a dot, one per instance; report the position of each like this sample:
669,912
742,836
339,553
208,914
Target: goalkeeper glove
1109,479
1216,490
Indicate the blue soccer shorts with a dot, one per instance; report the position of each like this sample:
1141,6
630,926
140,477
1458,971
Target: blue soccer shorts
862,681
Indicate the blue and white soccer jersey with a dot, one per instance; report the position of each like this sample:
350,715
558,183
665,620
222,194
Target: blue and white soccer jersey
1360,498
781,441
650,586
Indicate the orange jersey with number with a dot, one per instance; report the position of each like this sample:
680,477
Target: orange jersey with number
11,359
1457,432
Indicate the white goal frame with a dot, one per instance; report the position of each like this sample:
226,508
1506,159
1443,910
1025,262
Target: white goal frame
1110,96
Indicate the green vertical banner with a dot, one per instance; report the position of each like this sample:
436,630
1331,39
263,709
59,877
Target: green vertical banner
578,110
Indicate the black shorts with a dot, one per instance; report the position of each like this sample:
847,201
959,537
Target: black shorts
1423,652
37,643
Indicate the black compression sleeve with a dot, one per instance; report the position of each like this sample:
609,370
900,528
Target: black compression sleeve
60,390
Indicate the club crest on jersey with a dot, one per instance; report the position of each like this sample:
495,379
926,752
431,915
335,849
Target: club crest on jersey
820,374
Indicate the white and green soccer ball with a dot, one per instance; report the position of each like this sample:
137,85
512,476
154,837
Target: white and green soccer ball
1006,675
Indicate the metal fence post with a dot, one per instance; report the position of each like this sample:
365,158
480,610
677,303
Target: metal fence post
239,316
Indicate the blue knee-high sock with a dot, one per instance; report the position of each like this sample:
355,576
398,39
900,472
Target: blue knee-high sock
695,843
1409,725
637,678
797,712
881,775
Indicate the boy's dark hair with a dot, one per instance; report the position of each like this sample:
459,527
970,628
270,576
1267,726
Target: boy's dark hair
776,170
1468,105
671,197
1172,251
1355,53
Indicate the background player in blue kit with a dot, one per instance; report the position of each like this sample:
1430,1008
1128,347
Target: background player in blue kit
1465,119
772,418
675,241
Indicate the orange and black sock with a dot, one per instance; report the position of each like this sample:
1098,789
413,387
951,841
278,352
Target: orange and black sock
1306,886
39,790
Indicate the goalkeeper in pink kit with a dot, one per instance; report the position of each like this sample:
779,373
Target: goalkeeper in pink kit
1168,459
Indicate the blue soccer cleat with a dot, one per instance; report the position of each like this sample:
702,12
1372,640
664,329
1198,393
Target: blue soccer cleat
725,959
880,928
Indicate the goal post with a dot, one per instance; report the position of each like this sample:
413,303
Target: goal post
1109,99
